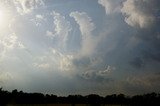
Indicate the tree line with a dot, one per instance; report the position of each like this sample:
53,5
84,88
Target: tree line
20,97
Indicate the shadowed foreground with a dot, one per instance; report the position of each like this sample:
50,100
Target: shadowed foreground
63,105
19,98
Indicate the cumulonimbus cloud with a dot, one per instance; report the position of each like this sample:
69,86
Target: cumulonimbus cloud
86,27
61,29
27,6
111,6
138,13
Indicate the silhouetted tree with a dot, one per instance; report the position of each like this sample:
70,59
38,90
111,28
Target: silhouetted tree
19,97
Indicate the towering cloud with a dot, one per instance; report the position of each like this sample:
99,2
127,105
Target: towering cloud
138,13
111,6
61,29
86,27
52,46
62,26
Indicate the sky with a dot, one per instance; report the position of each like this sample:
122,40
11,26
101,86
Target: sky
68,47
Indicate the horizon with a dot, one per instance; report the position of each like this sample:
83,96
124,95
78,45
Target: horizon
17,98
94,94
80,46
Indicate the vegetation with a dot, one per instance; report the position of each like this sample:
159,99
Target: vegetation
19,97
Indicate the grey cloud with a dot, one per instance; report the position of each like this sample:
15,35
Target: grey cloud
82,62
99,75
94,76
137,62
106,71
86,63
5,77
111,6
140,45
149,47
143,83
139,13
146,47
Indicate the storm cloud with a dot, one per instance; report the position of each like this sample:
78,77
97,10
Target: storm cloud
56,47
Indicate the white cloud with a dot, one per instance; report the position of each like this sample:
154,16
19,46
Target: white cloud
38,20
5,77
64,61
54,60
111,6
61,29
84,21
20,45
42,65
49,33
98,75
107,71
27,6
62,26
9,43
38,16
86,27
138,13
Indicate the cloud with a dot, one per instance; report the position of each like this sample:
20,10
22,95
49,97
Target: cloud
43,66
106,72
142,16
84,21
138,13
54,60
62,26
94,76
111,6
143,83
49,33
78,46
61,30
137,62
86,27
9,43
38,19
27,6
5,77
102,74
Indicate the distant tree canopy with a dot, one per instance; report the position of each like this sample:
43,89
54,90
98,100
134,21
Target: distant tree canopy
19,97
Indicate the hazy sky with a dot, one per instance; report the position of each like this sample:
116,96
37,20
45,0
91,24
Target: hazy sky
80,46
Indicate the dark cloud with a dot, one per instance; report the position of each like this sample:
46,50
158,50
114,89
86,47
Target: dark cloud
137,62
93,76
82,62
148,49
142,83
